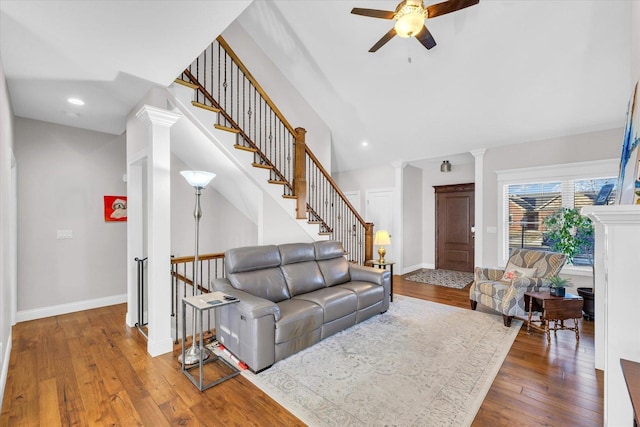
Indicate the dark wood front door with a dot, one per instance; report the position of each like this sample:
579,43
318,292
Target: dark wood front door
455,215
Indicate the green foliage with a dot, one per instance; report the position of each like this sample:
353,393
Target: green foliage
569,232
559,282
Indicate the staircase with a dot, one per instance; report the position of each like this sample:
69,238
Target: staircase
219,92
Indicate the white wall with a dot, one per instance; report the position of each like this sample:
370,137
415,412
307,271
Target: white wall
412,218
7,229
63,175
288,100
365,179
222,226
462,172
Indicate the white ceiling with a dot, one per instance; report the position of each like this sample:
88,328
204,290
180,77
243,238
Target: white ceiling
503,71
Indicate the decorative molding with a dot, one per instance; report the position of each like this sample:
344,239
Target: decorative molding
608,167
614,214
55,310
478,153
399,164
150,115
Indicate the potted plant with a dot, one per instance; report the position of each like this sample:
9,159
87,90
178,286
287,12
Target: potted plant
571,233
557,285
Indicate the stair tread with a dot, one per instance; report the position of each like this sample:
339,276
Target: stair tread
288,196
260,165
205,106
186,83
227,129
242,147
275,181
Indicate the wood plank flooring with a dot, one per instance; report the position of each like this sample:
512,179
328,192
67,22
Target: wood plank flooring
89,368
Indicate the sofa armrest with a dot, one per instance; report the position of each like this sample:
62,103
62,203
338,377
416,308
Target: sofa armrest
369,274
488,274
249,305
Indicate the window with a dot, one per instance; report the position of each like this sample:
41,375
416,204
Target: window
530,195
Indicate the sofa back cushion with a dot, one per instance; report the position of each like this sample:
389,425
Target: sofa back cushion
546,263
299,268
255,269
332,263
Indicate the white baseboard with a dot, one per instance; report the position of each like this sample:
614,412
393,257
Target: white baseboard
156,348
55,310
416,267
5,366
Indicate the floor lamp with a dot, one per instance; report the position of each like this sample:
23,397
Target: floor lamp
198,180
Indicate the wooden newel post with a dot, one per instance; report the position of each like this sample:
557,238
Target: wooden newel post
368,241
300,174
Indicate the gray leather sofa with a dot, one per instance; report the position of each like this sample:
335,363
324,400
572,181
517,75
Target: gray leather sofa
291,297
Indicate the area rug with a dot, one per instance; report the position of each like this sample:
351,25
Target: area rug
419,364
448,278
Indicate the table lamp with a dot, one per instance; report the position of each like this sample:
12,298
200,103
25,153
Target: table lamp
382,238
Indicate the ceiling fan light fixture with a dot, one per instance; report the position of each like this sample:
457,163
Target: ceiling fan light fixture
410,18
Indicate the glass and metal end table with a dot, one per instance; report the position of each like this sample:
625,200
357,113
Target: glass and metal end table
202,303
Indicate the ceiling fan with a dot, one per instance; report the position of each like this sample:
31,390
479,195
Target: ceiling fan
410,16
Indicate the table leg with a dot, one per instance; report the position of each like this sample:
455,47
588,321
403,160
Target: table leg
547,331
530,314
391,283
575,322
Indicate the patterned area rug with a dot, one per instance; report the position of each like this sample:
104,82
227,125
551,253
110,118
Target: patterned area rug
448,278
419,364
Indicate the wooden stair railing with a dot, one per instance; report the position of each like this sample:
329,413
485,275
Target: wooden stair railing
210,266
224,85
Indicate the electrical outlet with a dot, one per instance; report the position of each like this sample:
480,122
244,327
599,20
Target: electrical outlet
64,234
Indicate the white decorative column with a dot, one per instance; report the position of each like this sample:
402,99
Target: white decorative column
617,297
158,134
479,206
398,212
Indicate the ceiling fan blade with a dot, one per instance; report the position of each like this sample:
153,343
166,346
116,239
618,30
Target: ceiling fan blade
383,40
373,13
425,37
449,6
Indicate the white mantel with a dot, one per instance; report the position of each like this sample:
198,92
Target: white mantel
617,302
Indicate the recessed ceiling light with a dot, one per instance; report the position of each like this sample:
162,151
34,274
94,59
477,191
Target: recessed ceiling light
75,101
365,144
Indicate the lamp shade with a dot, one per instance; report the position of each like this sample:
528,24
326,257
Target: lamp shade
410,16
382,238
198,179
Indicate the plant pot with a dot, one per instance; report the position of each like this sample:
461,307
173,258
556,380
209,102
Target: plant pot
557,292
588,306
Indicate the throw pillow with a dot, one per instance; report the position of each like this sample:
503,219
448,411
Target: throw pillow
513,272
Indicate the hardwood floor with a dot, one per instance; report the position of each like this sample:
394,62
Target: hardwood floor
88,368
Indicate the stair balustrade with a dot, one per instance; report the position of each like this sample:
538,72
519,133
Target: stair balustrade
225,86
210,266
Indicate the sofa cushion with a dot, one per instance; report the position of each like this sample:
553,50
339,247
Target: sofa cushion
291,253
366,292
250,258
335,271
268,283
546,263
335,302
297,318
513,271
302,277
328,249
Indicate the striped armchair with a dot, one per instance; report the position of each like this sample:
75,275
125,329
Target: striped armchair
506,295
